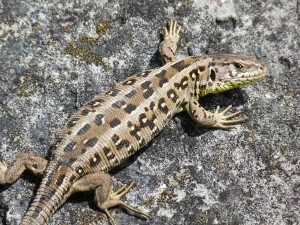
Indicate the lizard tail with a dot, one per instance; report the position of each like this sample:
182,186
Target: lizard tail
46,202
52,193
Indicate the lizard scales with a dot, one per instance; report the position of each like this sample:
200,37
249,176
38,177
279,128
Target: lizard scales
114,125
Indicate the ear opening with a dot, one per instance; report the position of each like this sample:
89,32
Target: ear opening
212,75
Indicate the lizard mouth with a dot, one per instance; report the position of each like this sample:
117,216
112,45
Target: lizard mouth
247,77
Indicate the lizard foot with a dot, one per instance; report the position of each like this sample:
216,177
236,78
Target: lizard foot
223,121
172,33
114,199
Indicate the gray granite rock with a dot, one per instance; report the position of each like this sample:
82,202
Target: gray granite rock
56,55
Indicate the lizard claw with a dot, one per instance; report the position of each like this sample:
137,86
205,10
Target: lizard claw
114,199
223,121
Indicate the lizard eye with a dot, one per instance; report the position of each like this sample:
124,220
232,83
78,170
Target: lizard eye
238,65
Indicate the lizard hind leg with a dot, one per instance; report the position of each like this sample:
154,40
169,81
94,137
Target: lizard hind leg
114,199
105,197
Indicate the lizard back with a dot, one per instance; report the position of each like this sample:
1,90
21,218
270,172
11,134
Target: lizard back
111,127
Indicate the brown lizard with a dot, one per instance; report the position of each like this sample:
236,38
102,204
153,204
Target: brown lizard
114,125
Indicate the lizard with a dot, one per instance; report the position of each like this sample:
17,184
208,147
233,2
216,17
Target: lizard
114,125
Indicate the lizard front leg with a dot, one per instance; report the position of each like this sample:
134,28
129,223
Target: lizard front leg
207,119
168,46
105,197
24,161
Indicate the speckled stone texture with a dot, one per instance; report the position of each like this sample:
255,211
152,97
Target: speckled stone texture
56,55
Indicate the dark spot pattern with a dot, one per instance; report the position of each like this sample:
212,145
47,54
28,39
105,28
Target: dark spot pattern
129,82
152,106
106,150
38,209
194,75
129,108
79,170
211,64
202,68
162,107
43,198
172,95
85,112
161,74
148,90
65,191
70,146
146,84
131,94
118,104
111,156
151,123
179,66
131,150
122,144
115,138
95,103
115,122
162,78
84,129
72,179
95,160
147,94
70,161
143,120
60,179
50,177
144,74
134,132
163,81
91,142
183,84
113,92
99,119
72,122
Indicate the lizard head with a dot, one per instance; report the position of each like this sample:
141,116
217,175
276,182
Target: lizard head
226,72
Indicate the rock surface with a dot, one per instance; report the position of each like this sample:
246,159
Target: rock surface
56,55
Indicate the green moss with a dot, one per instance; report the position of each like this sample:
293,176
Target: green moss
37,27
24,93
83,48
102,26
88,40
83,53
185,7
186,3
164,197
66,29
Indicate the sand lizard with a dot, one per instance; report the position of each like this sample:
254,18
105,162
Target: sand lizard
114,125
